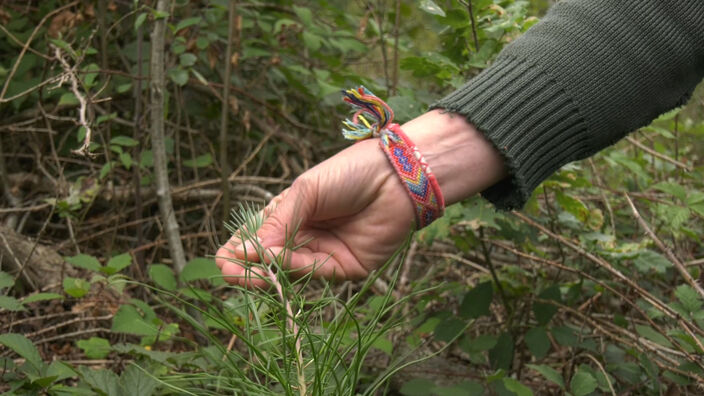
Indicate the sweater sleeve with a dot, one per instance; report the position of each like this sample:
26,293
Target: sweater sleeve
589,73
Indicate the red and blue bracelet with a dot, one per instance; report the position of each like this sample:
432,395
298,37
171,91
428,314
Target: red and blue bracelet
414,172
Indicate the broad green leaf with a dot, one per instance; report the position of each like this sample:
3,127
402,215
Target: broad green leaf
549,373
84,261
200,161
178,76
449,328
129,320
117,263
481,343
418,387
76,287
688,297
41,297
123,140
544,311
312,41
163,276
501,355
68,99
135,381
516,387
187,59
6,280
564,336
23,347
95,347
476,302
140,20
650,333
202,268
101,380
430,7
582,383
648,260
673,189
573,206
11,304
186,23
466,388
538,342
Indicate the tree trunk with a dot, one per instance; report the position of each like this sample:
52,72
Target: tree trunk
157,89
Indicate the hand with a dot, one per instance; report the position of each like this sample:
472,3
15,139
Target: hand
352,209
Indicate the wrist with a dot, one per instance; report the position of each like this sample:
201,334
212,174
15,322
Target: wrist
461,158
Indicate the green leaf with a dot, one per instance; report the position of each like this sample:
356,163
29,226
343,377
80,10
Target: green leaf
95,347
653,335
23,347
187,59
101,380
117,263
178,76
573,206
549,373
582,383
84,261
430,7
126,160
483,342
202,268
129,320
449,328
200,161
501,355
68,99
135,381
11,304
647,261
673,189
124,141
564,336
543,311
163,276
311,41
477,301
417,387
6,280
76,287
139,21
688,297
41,297
186,23
466,388
516,387
538,342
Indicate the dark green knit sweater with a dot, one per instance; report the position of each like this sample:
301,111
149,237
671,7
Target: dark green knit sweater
589,73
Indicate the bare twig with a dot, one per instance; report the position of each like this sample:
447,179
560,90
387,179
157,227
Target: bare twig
157,88
658,155
83,104
668,252
225,117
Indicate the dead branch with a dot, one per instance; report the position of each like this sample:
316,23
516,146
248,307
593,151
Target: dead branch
668,252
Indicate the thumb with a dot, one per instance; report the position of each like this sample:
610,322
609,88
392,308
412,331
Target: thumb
283,217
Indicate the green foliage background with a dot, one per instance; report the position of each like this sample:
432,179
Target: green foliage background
569,296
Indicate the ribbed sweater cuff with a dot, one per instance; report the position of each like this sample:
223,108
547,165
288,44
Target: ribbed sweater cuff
529,118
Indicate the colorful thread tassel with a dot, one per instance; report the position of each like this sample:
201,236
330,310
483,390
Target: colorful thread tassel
414,172
366,103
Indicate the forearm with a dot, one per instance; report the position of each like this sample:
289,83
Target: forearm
461,158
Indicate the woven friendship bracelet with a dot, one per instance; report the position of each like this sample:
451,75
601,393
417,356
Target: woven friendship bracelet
414,172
